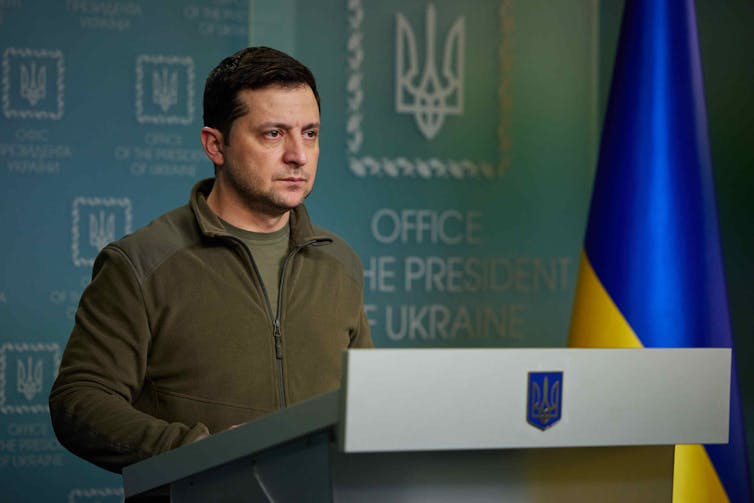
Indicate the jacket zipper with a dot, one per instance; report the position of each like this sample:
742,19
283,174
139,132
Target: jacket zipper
275,318
277,333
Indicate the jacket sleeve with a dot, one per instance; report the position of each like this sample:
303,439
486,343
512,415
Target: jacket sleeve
102,373
362,337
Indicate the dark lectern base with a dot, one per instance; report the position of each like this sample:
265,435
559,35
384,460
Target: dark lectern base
312,470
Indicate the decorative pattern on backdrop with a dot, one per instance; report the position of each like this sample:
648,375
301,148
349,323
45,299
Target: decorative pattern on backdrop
430,88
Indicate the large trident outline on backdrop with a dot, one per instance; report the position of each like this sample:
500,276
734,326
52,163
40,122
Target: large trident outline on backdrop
428,99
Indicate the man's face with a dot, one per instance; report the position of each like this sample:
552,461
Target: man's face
271,153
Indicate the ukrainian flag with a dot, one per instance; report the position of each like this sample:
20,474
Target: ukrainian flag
651,272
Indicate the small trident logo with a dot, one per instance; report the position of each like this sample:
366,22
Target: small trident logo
544,398
101,229
29,378
33,83
428,97
165,89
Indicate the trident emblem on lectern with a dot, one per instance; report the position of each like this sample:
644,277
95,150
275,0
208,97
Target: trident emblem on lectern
544,402
429,96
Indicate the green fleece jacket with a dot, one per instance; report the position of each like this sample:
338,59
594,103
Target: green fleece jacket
175,339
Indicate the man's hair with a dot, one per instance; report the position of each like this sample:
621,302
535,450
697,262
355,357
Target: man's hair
250,68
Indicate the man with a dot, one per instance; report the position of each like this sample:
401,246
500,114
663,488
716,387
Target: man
225,309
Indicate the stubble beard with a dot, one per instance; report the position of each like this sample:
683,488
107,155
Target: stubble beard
269,202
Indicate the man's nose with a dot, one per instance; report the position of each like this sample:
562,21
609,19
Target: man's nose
295,151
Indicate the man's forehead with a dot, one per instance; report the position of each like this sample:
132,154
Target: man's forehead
278,89
270,98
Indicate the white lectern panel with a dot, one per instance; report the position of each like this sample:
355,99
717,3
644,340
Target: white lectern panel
447,399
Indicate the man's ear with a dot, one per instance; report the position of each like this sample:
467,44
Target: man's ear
212,142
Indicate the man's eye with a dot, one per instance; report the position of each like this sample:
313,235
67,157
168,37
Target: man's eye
311,134
273,134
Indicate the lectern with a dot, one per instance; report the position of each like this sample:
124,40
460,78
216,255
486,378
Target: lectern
467,425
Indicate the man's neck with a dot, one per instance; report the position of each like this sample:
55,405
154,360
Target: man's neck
243,217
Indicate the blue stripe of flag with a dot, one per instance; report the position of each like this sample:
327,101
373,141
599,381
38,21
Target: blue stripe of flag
652,235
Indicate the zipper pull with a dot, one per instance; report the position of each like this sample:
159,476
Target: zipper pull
278,340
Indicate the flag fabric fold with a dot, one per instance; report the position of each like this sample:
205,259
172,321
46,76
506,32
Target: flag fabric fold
651,273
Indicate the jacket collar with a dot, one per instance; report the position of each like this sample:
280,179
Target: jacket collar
211,225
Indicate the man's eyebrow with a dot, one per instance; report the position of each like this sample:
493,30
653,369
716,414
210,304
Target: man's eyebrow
283,125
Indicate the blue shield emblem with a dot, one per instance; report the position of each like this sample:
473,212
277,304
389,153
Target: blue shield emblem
544,399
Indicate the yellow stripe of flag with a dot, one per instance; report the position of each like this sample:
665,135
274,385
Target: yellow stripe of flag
598,323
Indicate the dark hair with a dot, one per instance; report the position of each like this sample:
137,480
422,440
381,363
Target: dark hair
250,68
